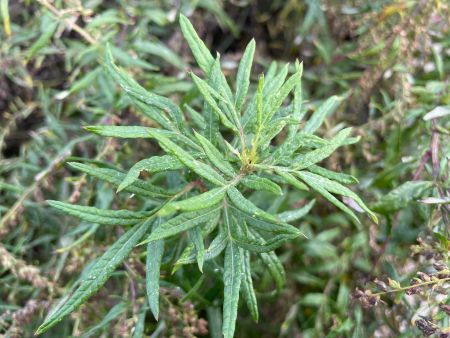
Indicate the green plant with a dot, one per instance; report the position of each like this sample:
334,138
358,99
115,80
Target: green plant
203,184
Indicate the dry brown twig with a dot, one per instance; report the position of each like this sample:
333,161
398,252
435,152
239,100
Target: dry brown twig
71,25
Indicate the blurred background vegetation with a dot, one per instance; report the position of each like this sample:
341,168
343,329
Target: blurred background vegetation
389,60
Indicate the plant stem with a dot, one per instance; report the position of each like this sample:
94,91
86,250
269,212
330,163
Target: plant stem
431,282
88,37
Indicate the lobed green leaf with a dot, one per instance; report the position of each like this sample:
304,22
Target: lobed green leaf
214,155
291,179
210,96
325,109
271,84
325,193
294,215
260,245
115,177
270,227
273,264
232,283
260,183
247,286
211,118
243,204
335,188
278,98
189,161
137,92
105,217
153,164
155,251
99,273
216,247
195,235
139,132
317,155
198,202
201,53
297,112
243,74
332,175
259,102
401,196
182,223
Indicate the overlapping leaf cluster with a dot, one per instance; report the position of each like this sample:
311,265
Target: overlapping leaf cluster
236,144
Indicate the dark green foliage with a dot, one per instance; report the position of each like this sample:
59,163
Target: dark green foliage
226,180
238,159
